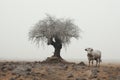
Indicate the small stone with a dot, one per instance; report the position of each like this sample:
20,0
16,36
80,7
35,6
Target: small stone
3,74
22,70
70,75
35,79
118,77
12,79
93,73
3,69
112,78
65,67
81,78
82,64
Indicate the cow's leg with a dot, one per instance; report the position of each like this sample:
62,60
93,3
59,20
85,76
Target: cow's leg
99,62
96,62
89,63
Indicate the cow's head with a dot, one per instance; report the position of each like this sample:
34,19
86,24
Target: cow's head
89,50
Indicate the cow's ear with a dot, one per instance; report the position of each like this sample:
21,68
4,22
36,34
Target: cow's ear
85,49
91,49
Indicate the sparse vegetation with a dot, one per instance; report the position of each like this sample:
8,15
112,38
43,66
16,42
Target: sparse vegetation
57,71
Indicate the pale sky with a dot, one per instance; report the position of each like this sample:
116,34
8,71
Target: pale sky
98,19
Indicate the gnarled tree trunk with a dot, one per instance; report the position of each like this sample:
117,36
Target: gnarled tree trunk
57,46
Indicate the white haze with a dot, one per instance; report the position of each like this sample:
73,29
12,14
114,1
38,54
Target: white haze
98,19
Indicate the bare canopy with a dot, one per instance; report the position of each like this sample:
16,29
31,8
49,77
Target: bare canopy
55,32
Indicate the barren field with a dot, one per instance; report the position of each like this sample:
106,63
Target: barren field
57,71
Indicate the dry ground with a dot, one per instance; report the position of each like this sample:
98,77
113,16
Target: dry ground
57,71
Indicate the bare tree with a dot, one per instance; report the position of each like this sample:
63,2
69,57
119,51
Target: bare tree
55,32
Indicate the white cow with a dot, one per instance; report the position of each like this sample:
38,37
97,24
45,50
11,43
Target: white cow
93,55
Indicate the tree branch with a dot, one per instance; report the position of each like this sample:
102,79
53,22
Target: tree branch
51,42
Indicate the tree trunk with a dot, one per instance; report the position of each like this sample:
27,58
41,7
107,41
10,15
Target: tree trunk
57,47
57,53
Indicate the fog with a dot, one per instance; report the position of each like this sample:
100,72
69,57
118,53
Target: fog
98,19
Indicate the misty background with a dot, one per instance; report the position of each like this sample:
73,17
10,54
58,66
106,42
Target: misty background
98,19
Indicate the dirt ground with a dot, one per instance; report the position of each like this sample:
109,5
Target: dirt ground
57,71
